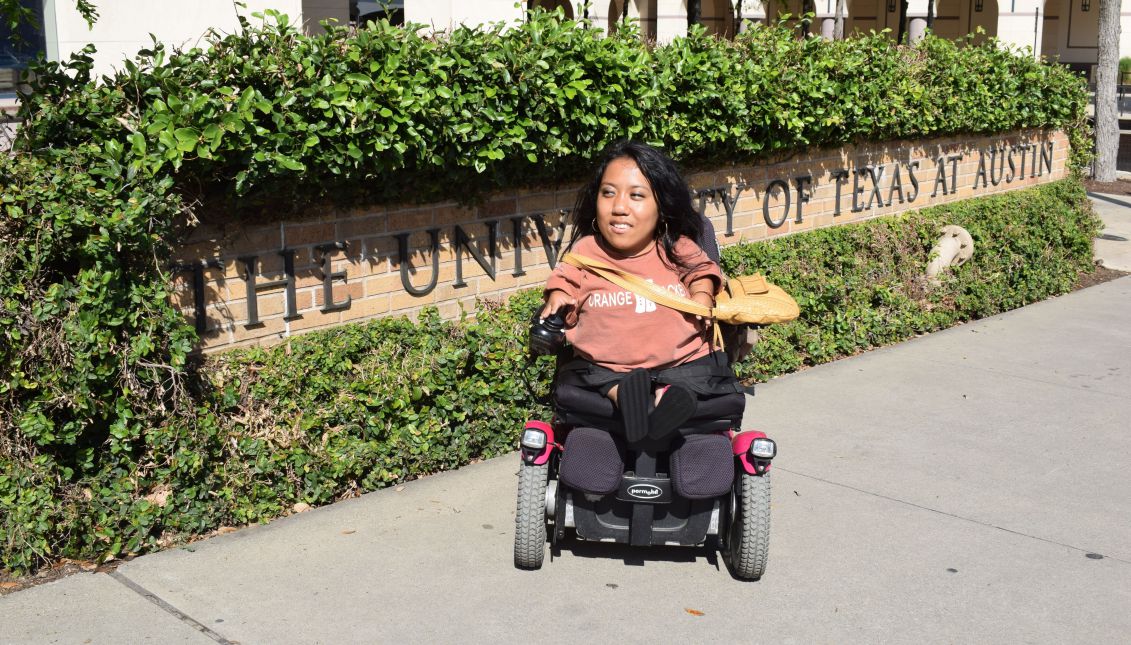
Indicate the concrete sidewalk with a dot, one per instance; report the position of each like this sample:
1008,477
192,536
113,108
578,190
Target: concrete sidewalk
1113,247
967,486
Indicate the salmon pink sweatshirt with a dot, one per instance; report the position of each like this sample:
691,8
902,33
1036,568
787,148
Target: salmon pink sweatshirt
620,330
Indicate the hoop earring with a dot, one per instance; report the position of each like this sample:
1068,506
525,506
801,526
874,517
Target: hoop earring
593,225
662,229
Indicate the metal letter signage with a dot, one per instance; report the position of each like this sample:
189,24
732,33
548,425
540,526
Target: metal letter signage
872,186
328,277
402,259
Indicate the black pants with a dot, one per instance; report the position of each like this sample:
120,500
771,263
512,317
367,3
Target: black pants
581,389
708,376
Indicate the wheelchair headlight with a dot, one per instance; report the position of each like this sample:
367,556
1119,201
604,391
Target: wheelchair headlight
763,448
533,439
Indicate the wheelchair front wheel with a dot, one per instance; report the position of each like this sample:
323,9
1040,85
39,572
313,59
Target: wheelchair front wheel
749,535
530,517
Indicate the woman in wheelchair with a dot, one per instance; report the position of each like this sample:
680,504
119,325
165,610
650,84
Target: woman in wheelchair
655,366
645,407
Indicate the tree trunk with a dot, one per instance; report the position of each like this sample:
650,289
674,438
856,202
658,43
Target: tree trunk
1107,112
838,24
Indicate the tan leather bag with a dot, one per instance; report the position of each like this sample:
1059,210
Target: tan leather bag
751,299
746,300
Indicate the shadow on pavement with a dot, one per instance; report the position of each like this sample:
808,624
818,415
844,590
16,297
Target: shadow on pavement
637,556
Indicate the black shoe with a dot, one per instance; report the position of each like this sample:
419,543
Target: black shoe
634,397
675,408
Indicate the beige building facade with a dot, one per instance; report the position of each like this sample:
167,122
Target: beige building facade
1064,30
124,26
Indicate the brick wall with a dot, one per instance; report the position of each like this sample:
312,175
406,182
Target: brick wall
372,262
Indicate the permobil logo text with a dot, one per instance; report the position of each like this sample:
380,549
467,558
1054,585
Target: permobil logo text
645,491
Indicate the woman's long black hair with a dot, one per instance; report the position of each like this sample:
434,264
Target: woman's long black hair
678,218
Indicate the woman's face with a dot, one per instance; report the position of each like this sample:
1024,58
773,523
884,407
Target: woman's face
627,212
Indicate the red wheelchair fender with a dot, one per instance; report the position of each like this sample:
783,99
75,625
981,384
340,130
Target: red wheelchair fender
740,445
544,456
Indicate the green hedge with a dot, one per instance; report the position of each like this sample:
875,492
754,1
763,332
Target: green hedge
92,351
862,286
80,303
332,414
389,114
326,416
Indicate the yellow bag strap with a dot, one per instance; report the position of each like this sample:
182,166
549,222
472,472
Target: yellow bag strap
642,287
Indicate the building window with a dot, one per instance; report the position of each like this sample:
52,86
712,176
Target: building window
362,12
20,47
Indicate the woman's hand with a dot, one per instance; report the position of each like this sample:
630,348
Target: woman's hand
703,292
555,300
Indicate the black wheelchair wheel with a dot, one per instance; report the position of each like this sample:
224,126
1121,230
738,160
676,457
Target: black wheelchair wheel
748,540
530,517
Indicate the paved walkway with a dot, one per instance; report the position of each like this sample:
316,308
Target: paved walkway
968,486
1113,247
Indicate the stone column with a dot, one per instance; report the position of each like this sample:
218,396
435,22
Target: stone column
916,19
825,17
645,12
599,15
916,27
671,19
1024,25
827,27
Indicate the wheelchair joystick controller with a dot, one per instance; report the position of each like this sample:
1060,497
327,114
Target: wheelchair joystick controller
547,335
